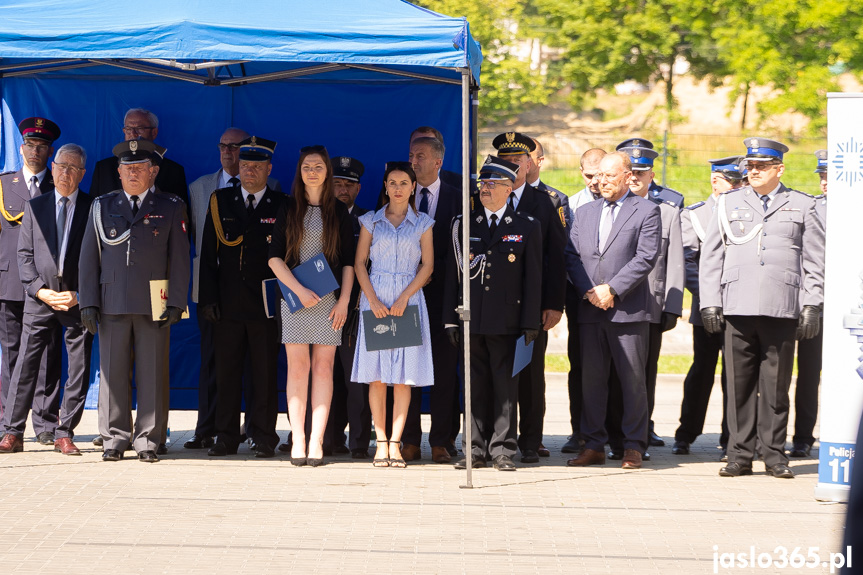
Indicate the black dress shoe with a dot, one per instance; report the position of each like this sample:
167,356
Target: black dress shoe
162,449
451,449
97,441
112,455
615,453
285,448
645,456
359,453
199,442
654,440
572,445
781,471
800,449
680,447
147,456
46,438
504,463
529,456
264,451
735,469
219,449
475,463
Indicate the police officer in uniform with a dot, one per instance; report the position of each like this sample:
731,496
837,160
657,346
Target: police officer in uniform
655,192
16,188
524,198
725,174
505,254
809,350
133,236
763,259
537,157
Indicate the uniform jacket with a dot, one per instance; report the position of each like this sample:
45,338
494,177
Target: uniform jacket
539,205
171,178
630,253
667,277
694,221
559,200
231,276
199,202
117,280
505,295
774,261
38,252
15,196
661,194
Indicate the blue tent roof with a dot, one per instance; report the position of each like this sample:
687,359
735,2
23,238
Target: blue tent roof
353,32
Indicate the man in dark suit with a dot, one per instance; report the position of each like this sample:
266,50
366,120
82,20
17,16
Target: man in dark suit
450,178
442,202
505,254
48,248
16,188
614,244
133,237
524,198
537,157
234,256
140,124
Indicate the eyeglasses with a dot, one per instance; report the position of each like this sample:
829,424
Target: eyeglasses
231,147
67,168
136,129
607,177
36,147
317,148
136,168
761,166
488,185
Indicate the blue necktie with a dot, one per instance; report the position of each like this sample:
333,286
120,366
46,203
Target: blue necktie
424,200
764,200
61,223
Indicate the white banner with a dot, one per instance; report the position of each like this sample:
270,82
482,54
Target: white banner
842,377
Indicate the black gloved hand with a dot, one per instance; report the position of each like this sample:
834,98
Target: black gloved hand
807,323
453,334
171,316
210,312
668,321
714,321
529,335
90,317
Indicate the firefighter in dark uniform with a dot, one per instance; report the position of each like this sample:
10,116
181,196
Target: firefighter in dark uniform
505,262
237,232
659,194
133,236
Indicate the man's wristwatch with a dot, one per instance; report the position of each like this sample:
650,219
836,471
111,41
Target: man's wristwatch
611,290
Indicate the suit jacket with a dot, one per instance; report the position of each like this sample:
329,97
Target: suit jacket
199,202
559,200
630,253
16,194
116,279
504,294
171,178
448,206
667,277
38,254
694,221
771,263
539,205
231,276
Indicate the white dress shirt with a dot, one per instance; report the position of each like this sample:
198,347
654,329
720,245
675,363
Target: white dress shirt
434,194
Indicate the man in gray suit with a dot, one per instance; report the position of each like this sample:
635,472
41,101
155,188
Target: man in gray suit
48,248
614,244
762,260
133,236
199,199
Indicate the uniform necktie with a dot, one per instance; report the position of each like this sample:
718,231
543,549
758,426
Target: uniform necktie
61,223
235,181
607,223
34,186
424,200
493,225
135,201
511,200
764,200
250,207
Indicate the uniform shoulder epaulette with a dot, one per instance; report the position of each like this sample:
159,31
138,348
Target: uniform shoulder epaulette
674,192
7,173
726,192
670,203
107,197
458,216
799,192
694,206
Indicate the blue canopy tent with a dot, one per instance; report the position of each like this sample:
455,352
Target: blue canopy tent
354,75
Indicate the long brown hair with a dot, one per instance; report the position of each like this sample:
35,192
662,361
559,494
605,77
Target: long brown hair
294,229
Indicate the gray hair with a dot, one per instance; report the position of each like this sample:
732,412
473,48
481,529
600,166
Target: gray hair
72,149
436,146
151,117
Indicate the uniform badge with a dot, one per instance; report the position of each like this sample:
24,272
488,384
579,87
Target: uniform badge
133,146
734,215
155,232
508,220
112,233
269,239
40,122
345,162
511,257
471,256
753,143
636,144
146,221
510,137
636,153
254,141
268,220
15,180
513,238
183,224
562,217
655,192
479,219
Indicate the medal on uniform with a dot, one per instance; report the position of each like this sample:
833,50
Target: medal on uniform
742,227
478,219
146,221
508,220
470,257
511,257
155,232
113,233
269,239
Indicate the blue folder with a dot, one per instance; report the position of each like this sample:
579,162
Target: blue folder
315,275
270,289
393,332
523,353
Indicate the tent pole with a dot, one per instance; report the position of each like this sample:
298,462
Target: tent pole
465,265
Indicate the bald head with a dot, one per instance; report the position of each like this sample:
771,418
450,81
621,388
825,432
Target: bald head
229,150
590,167
615,170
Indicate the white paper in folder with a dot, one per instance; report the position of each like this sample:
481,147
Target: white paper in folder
159,299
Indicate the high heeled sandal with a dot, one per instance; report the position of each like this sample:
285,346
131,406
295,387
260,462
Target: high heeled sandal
398,463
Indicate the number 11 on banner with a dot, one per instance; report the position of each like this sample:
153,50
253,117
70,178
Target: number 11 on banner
836,462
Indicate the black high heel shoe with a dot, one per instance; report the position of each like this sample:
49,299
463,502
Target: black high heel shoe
315,461
299,461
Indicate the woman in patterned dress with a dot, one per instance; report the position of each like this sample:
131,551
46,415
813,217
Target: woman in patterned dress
398,239
312,221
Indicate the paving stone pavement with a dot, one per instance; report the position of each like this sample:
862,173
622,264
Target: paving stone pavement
193,514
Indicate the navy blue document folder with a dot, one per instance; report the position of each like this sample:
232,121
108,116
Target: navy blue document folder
315,275
392,332
523,353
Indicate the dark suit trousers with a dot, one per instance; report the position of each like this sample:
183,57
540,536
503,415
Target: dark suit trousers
493,395
531,396
698,385
235,341
358,411
206,425
40,333
123,337
623,346
760,357
573,349
46,398
808,378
